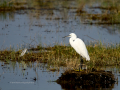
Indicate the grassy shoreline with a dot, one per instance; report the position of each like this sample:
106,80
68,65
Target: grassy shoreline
61,55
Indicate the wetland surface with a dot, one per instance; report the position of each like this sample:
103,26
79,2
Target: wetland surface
33,23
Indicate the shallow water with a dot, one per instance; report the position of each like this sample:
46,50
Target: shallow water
34,76
44,26
22,31
19,76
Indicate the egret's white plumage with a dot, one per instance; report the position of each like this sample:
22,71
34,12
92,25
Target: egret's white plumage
78,45
23,52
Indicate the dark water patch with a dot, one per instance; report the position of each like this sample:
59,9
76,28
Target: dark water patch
24,69
34,79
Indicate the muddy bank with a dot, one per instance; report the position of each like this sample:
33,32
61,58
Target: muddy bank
90,79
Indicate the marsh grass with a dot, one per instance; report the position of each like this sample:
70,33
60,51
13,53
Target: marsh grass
61,55
110,11
104,18
12,5
6,6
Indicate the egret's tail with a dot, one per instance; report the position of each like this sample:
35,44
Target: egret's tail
88,58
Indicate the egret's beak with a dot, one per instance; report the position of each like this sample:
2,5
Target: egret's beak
66,36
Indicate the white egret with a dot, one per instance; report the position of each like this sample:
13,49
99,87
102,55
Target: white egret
23,52
79,46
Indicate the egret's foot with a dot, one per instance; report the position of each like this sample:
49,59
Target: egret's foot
82,67
80,70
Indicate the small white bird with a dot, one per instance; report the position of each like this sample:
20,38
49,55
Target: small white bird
23,52
79,46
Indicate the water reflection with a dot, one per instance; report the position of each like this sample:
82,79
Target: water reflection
35,75
27,75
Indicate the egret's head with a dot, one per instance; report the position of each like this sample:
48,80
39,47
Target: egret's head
72,35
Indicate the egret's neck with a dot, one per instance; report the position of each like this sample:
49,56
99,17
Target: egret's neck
73,38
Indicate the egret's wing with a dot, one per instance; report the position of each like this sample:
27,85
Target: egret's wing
23,52
80,48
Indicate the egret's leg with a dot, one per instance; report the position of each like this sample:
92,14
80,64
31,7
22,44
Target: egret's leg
81,63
